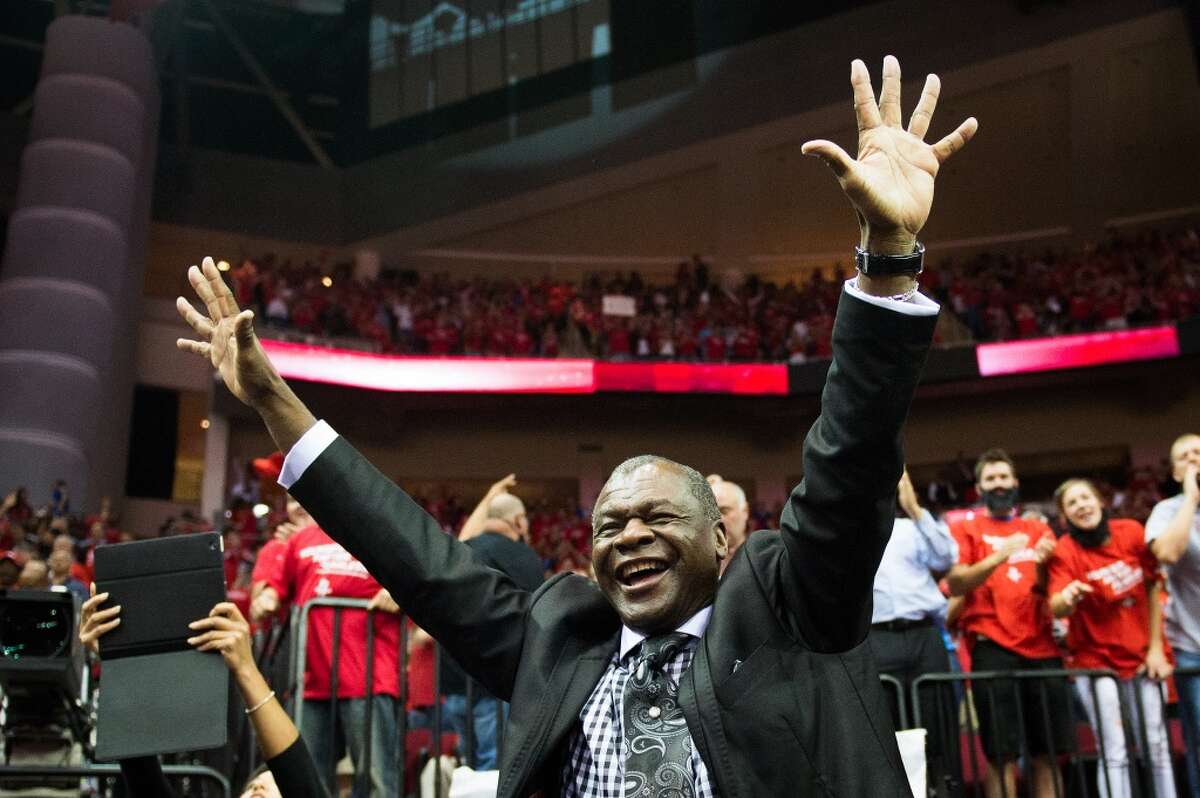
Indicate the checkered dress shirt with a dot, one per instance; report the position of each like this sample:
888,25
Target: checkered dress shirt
595,766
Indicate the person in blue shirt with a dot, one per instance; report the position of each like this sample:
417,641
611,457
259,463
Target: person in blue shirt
910,611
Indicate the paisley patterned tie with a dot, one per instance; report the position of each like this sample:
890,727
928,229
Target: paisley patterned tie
657,743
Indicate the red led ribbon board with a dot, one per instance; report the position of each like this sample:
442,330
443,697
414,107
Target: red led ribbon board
529,375
430,374
747,379
1076,351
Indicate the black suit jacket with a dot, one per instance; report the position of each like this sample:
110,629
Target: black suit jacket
782,698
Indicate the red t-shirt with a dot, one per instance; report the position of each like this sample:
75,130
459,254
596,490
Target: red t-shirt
420,674
268,565
315,566
268,568
1109,628
1008,608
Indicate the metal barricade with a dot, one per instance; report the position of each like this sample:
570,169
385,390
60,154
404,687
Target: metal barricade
1077,766
299,634
300,627
111,773
895,690
1191,741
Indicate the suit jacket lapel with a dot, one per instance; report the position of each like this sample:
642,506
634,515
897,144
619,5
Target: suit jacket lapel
699,704
579,671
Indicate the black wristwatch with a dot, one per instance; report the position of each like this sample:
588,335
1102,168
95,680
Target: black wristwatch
874,265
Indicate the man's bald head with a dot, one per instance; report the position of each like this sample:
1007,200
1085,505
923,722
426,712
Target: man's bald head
735,510
511,510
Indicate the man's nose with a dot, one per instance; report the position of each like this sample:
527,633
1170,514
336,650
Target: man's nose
633,535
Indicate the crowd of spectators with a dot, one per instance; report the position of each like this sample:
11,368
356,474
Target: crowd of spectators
707,315
48,546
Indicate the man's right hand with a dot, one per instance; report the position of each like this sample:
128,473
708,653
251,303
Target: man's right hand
1012,544
227,341
1191,484
907,496
285,531
226,337
1073,593
503,486
265,604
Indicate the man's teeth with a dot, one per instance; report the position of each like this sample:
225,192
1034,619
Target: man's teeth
639,568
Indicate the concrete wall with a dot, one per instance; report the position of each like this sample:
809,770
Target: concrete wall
1075,133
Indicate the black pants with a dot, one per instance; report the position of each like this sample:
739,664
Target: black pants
910,653
1038,712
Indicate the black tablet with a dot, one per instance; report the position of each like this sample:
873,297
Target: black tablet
157,694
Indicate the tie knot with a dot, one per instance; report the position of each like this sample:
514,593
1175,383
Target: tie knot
657,651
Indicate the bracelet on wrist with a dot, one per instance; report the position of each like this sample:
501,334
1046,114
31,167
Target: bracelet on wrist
260,704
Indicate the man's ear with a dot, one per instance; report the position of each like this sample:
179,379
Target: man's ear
721,538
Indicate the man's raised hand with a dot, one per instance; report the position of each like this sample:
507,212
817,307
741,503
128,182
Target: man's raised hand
890,184
226,336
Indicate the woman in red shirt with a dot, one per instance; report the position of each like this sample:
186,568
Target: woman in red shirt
1105,578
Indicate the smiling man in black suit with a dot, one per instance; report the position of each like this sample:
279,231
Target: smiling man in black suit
668,679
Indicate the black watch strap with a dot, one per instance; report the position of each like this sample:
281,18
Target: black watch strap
874,265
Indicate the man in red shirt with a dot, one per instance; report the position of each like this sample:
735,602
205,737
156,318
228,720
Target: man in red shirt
315,566
1001,572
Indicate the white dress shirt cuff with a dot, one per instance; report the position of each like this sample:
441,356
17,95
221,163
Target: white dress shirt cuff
306,450
917,305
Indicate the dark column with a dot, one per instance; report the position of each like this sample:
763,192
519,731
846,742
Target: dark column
71,281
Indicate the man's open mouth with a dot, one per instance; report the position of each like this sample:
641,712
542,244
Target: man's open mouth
641,572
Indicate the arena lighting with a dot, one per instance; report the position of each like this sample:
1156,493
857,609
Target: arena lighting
327,281
204,423
430,374
260,510
223,265
1077,351
528,375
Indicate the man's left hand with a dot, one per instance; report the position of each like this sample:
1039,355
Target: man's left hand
907,496
890,184
1156,666
383,602
1044,549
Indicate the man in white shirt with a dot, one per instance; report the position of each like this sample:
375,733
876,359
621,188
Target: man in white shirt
909,610
1173,532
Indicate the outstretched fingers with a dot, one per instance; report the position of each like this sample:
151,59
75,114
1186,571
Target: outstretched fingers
200,348
865,109
918,125
956,140
833,155
195,320
889,92
224,296
203,289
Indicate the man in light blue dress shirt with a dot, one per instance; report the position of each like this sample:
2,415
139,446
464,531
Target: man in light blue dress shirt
910,611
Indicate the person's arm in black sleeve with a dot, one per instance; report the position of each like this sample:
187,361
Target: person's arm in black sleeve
296,774
838,519
475,612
